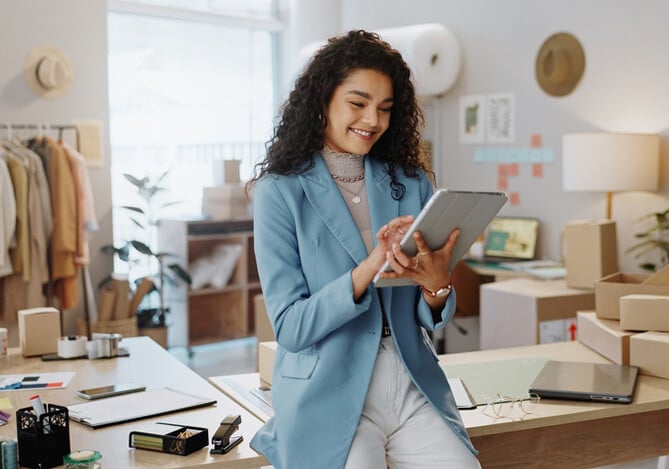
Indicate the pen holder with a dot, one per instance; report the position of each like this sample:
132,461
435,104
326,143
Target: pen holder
38,448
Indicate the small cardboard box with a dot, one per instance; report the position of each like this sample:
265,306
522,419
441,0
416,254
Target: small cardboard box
608,290
604,336
39,330
591,252
649,351
264,331
266,352
524,311
644,313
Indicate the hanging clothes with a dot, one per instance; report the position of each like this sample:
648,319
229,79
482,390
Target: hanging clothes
64,240
7,217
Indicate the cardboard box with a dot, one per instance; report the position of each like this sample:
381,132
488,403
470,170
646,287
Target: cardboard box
610,289
644,313
604,336
39,330
526,311
591,252
224,202
649,351
266,352
264,331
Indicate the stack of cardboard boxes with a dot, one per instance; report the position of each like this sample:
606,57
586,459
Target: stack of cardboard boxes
630,324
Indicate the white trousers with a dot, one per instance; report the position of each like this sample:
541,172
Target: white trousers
399,429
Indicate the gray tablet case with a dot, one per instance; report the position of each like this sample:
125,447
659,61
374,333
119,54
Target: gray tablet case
605,382
446,210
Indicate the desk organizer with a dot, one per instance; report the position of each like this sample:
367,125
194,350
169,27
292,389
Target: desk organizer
36,447
171,442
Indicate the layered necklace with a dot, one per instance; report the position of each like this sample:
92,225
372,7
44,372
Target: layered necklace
346,169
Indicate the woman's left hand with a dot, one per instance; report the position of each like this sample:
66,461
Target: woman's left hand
427,268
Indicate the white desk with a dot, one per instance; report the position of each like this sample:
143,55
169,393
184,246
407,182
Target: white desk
560,433
153,366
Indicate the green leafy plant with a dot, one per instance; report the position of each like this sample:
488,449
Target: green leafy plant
141,253
655,239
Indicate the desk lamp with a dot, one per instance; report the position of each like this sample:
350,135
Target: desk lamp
606,162
610,162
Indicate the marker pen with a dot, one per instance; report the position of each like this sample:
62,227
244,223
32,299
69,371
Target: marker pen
38,407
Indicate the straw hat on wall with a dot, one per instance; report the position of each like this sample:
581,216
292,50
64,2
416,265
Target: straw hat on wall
560,64
48,72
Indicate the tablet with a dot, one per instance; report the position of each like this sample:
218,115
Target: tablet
445,211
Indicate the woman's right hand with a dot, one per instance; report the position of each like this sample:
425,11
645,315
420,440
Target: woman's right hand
390,233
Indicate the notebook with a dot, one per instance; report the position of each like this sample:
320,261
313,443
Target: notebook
135,406
511,239
586,381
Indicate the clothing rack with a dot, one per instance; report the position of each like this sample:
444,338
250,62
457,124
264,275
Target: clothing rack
45,128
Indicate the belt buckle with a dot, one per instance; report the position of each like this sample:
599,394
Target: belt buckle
385,331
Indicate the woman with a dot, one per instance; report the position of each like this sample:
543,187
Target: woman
356,383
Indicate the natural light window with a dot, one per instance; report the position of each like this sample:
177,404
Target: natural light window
184,96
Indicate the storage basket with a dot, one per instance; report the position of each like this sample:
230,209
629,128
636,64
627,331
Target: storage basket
125,327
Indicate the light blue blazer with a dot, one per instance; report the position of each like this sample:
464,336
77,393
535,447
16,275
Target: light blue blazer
306,244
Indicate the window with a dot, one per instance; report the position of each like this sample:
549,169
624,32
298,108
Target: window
187,90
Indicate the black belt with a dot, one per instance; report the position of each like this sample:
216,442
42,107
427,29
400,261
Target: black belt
385,331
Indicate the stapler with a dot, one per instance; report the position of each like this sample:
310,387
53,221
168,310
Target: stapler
223,440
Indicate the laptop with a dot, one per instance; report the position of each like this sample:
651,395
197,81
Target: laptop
601,382
511,239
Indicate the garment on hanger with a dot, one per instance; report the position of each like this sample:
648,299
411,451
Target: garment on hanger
7,217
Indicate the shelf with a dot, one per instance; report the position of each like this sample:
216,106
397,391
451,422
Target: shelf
211,314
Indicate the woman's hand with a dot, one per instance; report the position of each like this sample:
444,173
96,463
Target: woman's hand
388,235
427,268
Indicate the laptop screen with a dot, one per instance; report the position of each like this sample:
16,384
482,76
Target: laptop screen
512,238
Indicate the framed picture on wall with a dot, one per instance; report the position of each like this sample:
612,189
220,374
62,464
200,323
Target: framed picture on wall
501,110
472,120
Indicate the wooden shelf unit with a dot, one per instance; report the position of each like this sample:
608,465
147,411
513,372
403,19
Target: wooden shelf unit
210,314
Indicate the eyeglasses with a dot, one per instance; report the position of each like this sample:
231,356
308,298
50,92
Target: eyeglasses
502,406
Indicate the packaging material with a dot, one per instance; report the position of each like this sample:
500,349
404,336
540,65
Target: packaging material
264,331
644,313
608,290
224,202
39,330
266,352
649,351
604,336
524,311
591,252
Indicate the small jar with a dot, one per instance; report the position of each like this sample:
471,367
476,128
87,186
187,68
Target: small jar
83,459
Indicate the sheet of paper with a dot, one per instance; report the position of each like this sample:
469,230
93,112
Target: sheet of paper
460,393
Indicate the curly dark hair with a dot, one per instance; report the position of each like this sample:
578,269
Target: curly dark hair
299,134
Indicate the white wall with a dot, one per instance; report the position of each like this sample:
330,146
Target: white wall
79,29
623,89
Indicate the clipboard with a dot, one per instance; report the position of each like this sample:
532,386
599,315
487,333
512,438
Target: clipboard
135,406
471,211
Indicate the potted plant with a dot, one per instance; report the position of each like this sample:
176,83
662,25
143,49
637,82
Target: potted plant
655,239
143,259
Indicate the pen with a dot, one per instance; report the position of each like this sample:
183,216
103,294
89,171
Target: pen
38,407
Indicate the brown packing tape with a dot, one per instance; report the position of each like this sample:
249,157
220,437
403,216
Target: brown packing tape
661,277
144,287
106,309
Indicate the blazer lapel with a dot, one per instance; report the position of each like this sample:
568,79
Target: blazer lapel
324,196
382,209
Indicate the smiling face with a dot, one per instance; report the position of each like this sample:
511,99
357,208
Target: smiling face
359,112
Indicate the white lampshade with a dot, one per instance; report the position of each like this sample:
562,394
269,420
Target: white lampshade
610,162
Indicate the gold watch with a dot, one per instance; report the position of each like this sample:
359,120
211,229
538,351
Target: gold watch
440,293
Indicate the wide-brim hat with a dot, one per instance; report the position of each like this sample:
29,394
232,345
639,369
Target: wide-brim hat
48,72
560,64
